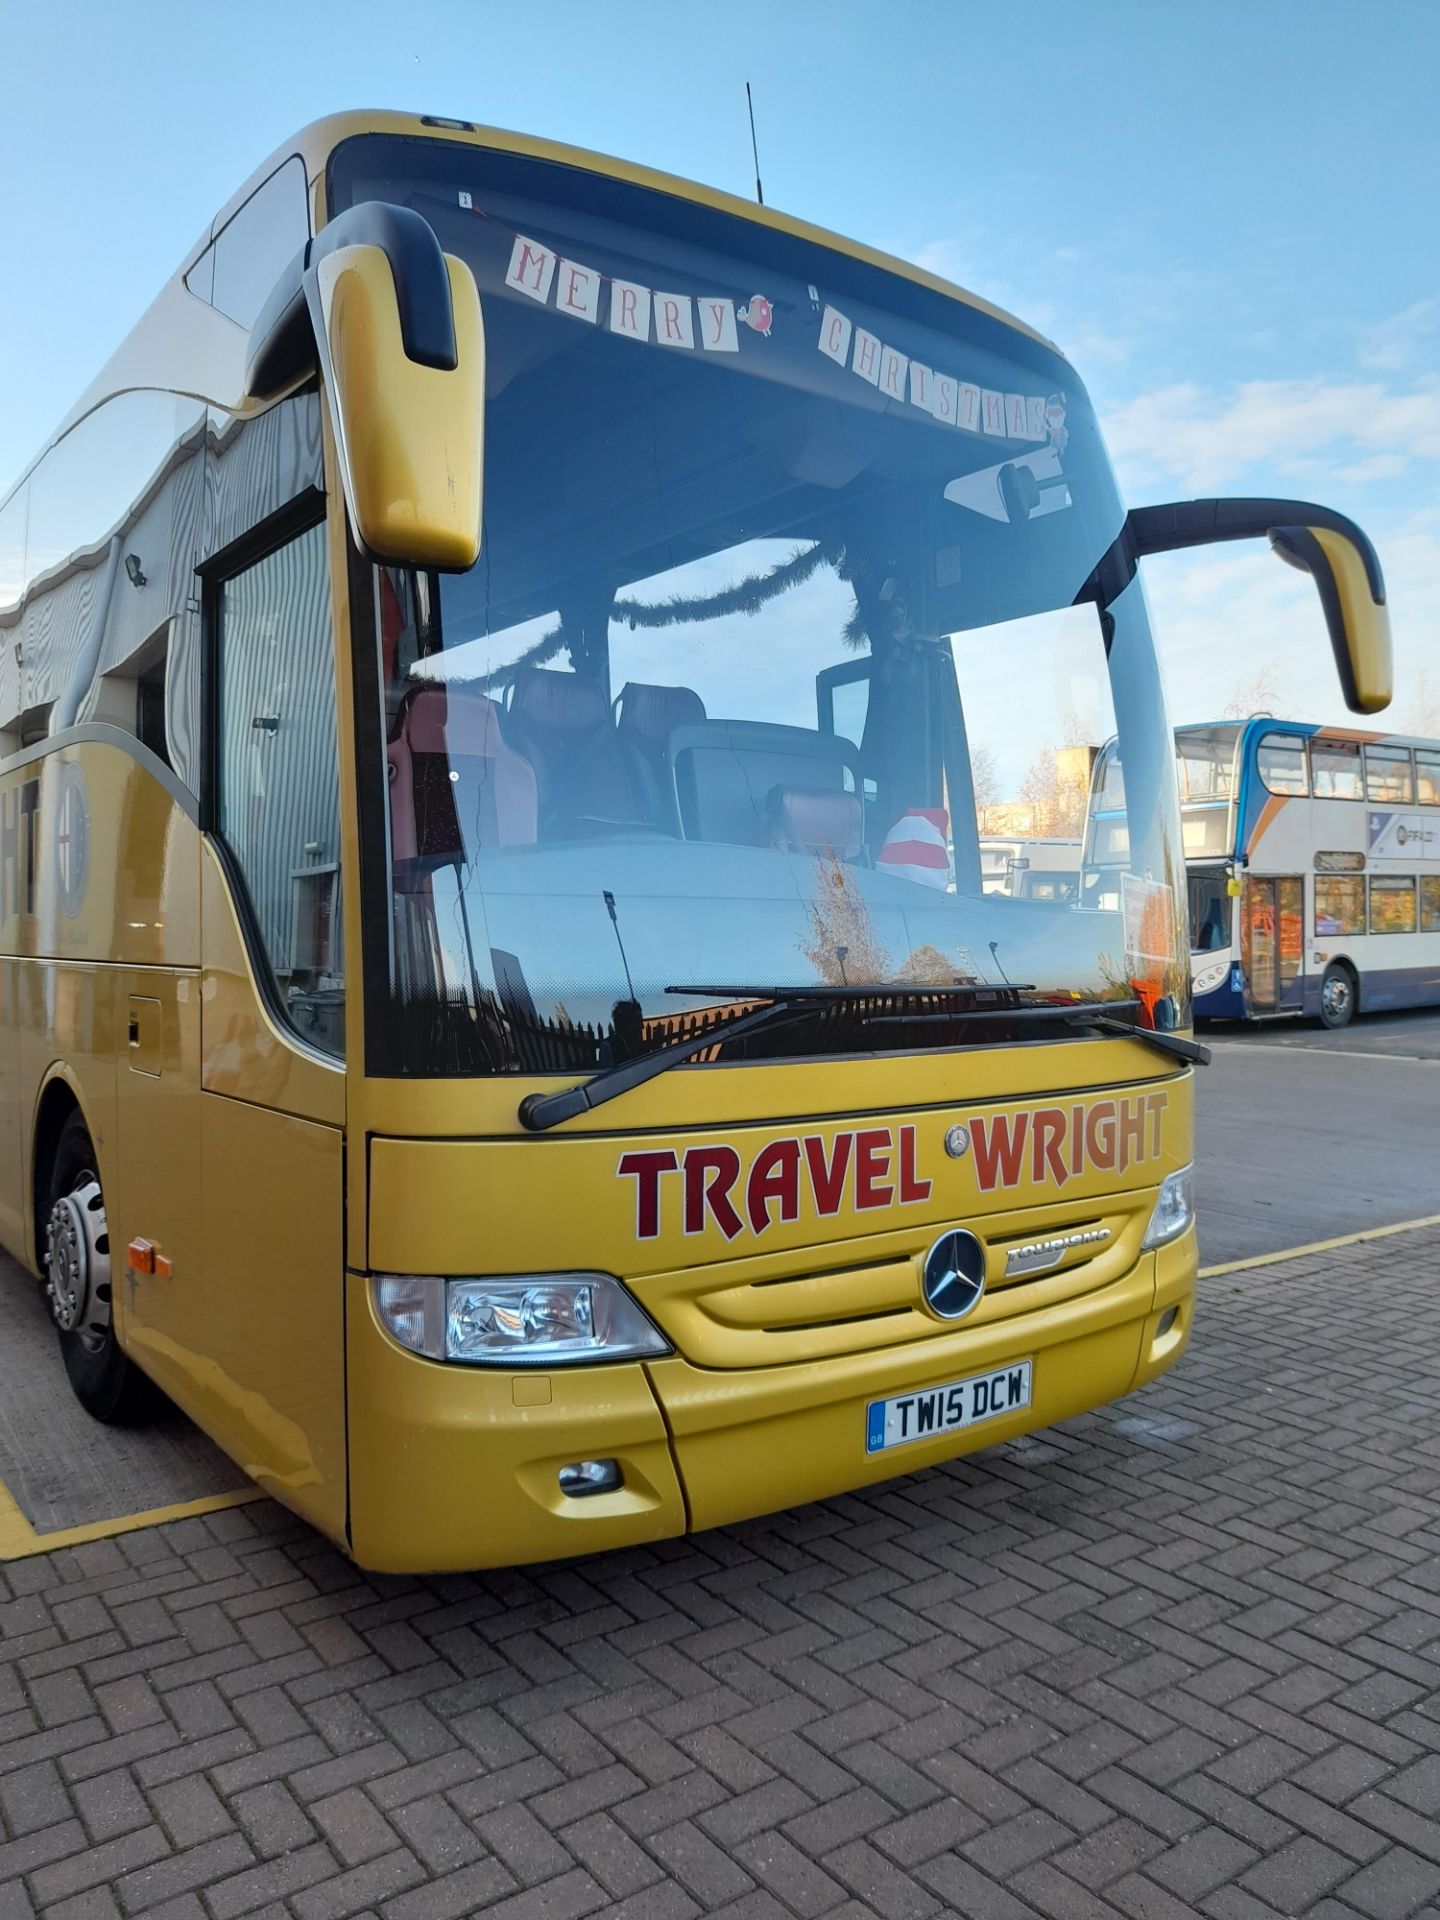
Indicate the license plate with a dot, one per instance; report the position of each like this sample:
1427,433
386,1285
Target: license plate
935,1410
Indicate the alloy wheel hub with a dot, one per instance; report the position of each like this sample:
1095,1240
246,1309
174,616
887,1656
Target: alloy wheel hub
77,1260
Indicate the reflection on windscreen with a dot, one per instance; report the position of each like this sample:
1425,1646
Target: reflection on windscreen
754,663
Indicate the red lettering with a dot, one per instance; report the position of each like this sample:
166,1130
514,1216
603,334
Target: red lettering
1100,1135
892,375
827,1177
628,321
574,276
912,1188
716,310
1132,1131
646,1169
774,1176
670,310
1077,1140
872,1163
1156,1103
532,261
999,1144
917,386
835,335
711,1195
866,347
1047,1134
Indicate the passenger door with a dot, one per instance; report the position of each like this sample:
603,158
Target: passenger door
250,1338
1273,942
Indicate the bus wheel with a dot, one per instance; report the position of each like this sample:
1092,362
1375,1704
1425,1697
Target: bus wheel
1337,996
77,1285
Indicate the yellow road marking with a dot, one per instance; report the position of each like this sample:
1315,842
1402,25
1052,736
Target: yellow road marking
1319,1246
20,1541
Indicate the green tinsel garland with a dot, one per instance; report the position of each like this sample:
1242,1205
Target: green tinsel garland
746,596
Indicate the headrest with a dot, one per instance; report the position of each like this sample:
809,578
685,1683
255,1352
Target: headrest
443,720
816,820
557,702
649,712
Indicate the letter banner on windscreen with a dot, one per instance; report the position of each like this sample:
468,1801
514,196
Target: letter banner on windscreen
709,323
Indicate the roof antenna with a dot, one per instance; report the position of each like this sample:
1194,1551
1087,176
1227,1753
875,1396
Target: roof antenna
749,101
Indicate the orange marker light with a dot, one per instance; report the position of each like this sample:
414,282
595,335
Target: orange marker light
142,1256
162,1266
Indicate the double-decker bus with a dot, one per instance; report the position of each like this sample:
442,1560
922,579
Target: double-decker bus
502,1021
1314,869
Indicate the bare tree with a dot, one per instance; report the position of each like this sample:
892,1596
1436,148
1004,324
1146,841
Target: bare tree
985,777
1056,793
1422,715
1262,693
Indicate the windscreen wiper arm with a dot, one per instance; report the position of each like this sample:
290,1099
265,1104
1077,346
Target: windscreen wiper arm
541,1111
1172,1043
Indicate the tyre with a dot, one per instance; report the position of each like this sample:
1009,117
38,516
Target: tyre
1337,996
76,1243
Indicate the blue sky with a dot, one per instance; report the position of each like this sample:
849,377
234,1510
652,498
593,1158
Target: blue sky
1225,213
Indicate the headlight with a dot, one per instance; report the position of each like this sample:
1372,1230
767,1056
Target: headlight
1174,1210
529,1320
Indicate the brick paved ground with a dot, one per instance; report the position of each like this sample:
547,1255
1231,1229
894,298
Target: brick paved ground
1178,1657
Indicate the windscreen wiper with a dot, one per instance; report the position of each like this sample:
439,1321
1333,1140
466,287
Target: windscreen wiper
1104,1021
541,1111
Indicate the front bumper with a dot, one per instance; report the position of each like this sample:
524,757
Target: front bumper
456,1467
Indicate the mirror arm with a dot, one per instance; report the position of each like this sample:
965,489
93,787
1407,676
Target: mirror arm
282,341
1205,523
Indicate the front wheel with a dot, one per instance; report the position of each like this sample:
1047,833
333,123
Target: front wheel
77,1285
1337,997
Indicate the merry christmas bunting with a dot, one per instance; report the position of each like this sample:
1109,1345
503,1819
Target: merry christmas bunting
710,324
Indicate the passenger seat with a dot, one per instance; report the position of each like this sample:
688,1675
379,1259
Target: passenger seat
562,723
455,784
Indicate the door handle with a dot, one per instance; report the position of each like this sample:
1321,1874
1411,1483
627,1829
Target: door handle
134,1029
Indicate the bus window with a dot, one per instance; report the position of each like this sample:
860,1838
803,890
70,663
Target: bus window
1427,778
1430,903
1335,769
277,789
1210,908
1281,761
1392,903
1205,763
1388,775
1339,905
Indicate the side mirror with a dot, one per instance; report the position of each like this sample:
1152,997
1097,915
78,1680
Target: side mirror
393,326
1327,546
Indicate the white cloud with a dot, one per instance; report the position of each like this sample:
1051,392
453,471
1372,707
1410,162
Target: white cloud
1398,342
1206,440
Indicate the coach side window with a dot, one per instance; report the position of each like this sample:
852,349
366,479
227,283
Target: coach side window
276,788
237,271
1427,778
